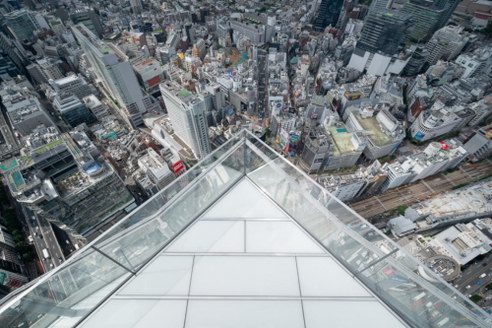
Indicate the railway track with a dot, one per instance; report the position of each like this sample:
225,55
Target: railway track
410,194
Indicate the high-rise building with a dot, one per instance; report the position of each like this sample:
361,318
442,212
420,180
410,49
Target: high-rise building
24,111
73,110
74,85
97,108
116,74
137,6
416,62
7,65
445,44
12,270
428,16
439,120
89,18
188,118
59,179
44,70
384,31
22,23
328,13
244,239
14,50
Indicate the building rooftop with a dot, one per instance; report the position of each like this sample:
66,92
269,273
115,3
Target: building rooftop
382,129
243,239
342,140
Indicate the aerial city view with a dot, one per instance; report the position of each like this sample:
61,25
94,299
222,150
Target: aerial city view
246,163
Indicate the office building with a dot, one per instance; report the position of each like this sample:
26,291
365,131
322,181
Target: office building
97,108
416,62
13,272
7,65
437,157
22,23
477,63
384,31
156,173
61,181
116,74
345,147
428,16
150,74
480,145
383,131
445,44
23,109
9,144
187,115
315,151
439,120
328,14
344,187
247,241
89,18
73,110
72,84
14,50
249,28
44,70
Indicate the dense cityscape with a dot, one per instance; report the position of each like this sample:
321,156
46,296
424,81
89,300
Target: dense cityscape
385,104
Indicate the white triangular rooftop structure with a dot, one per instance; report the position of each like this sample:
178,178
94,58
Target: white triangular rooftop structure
243,264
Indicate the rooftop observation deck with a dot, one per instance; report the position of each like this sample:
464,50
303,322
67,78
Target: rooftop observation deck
243,239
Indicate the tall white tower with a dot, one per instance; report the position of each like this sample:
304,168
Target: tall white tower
187,114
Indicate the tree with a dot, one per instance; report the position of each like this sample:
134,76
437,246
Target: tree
401,209
476,298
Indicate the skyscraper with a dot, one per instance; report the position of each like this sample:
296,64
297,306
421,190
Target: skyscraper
428,16
187,114
384,31
61,181
22,23
328,13
116,74
89,18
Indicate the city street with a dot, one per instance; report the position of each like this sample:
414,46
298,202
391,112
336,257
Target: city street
410,194
471,276
44,238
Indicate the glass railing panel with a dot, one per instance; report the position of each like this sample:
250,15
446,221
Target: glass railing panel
276,172
361,247
137,245
68,295
436,283
149,209
415,299
314,218
70,292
